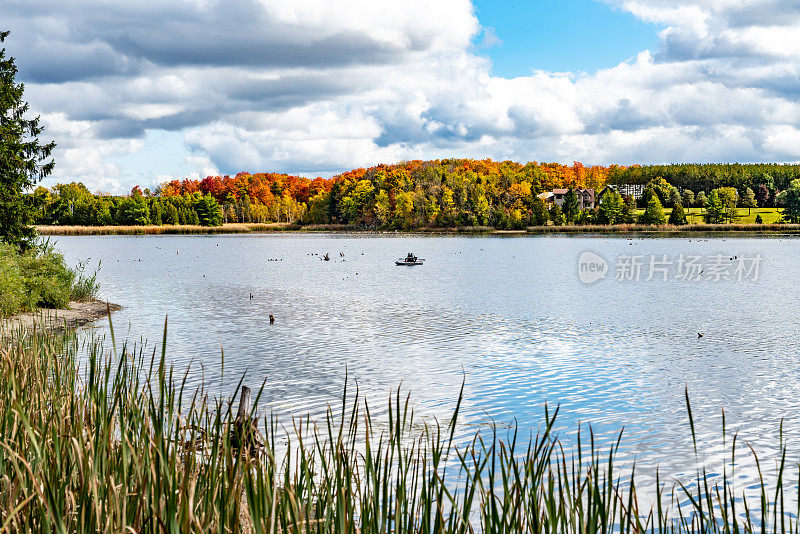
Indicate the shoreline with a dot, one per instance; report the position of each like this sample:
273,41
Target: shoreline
265,228
77,315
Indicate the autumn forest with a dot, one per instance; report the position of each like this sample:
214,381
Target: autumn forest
408,195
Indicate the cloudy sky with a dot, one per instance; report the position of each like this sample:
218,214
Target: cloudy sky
138,91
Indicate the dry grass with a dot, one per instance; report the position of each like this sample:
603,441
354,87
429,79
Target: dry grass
664,229
244,228
238,228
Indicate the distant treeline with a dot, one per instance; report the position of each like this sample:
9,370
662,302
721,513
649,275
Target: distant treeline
708,176
414,194
73,204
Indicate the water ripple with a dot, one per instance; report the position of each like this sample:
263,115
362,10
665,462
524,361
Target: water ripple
506,316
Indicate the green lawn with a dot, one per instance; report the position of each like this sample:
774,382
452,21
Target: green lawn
695,215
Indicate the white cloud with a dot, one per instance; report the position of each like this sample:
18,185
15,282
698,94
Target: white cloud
783,139
317,87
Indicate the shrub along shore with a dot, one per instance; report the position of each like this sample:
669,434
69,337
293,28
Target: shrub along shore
245,228
39,278
121,443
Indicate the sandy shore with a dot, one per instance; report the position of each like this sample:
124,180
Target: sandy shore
78,314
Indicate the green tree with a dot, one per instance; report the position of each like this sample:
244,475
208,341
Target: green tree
40,200
688,198
356,202
610,208
674,196
571,206
133,209
91,211
661,187
653,213
767,180
701,200
155,213
556,215
627,214
791,202
715,210
647,194
317,208
170,215
587,216
191,217
763,195
500,219
208,211
677,217
539,213
749,200
729,197
72,204
23,160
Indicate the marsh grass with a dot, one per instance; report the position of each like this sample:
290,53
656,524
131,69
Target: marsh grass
85,286
166,229
664,229
245,228
119,443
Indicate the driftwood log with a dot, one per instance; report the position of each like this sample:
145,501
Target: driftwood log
244,405
244,434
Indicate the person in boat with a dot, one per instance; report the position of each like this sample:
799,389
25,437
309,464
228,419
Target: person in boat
411,258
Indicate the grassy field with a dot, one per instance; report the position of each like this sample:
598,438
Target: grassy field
746,215
123,445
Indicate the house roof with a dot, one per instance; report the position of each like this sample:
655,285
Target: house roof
585,193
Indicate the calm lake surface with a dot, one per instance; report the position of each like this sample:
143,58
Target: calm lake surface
510,316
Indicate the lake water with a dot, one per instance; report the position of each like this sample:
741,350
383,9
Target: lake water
510,316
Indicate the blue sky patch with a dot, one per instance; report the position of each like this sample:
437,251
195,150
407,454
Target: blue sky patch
559,35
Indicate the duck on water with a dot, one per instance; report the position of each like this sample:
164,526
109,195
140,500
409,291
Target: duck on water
410,259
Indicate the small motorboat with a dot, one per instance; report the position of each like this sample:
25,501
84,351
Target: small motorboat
410,259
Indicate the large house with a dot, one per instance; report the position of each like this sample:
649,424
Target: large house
585,197
633,190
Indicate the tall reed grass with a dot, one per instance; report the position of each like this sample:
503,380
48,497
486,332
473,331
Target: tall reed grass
123,445
244,228
238,228
665,229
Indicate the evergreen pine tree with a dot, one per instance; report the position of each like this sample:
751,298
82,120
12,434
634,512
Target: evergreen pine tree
610,208
653,213
678,216
715,210
571,206
22,158
556,215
